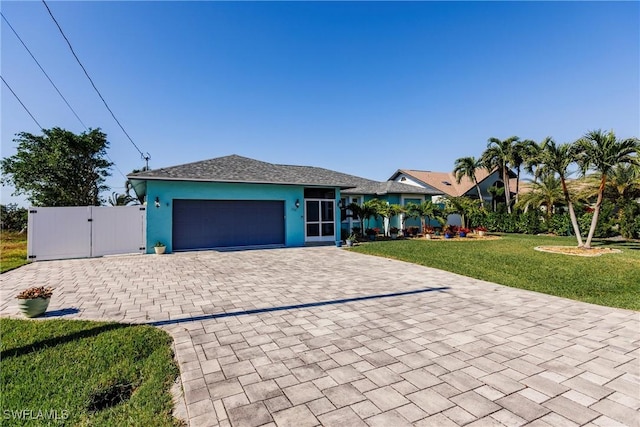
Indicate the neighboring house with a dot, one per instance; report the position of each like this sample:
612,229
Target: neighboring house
445,183
391,192
235,201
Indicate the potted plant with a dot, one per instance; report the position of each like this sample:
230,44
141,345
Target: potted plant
351,240
450,231
393,231
481,230
413,231
462,232
372,233
159,247
429,231
34,301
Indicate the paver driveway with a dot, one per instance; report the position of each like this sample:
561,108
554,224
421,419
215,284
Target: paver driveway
323,336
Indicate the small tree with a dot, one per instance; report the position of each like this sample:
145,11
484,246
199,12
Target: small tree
58,168
602,151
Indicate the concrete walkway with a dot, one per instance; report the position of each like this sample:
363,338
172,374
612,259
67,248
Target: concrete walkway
322,336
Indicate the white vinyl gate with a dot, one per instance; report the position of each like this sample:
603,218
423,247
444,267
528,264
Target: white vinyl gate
85,231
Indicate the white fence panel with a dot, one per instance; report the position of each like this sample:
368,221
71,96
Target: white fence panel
85,231
118,230
59,233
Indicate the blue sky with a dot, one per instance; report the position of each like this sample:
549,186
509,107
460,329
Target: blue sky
360,87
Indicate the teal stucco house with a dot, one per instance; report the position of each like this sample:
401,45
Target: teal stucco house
234,201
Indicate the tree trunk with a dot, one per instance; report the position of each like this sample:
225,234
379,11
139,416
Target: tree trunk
507,192
517,185
572,214
475,181
596,212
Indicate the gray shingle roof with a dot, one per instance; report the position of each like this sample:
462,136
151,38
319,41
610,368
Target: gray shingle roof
240,169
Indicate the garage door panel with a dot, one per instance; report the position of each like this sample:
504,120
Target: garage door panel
201,224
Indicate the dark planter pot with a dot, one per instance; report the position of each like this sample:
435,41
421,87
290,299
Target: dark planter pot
463,234
372,237
448,235
33,307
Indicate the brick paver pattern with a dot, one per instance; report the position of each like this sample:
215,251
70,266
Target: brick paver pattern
457,351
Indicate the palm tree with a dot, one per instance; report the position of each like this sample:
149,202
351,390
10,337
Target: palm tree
495,192
547,192
623,184
499,155
462,206
426,211
467,167
533,162
602,151
370,208
557,159
388,211
520,152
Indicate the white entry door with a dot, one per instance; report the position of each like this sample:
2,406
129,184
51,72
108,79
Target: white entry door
320,220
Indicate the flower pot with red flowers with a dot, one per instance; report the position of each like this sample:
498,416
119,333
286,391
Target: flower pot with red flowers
429,232
463,232
34,301
481,230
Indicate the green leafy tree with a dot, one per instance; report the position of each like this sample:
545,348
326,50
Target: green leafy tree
371,209
462,206
58,168
427,211
547,192
388,211
499,154
13,218
520,152
467,167
557,159
602,151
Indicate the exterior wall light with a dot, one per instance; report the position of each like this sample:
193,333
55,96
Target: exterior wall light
297,203
157,202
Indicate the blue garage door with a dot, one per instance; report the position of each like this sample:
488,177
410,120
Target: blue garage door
204,224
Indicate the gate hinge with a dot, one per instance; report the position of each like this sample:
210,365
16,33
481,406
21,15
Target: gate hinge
31,257
90,219
142,208
33,211
142,248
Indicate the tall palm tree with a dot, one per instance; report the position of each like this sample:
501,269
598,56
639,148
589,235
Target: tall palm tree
533,162
557,159
546,192
520,152
498,155
602,151
467,167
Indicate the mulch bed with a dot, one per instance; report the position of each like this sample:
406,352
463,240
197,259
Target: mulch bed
576,251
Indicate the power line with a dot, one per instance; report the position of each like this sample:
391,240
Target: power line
56,88
21,103
42,69
92,83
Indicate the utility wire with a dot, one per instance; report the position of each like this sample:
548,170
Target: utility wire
23,106
42,69
56,88
92,83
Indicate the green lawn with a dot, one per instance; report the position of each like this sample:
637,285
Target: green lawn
13,250
612,279
85,373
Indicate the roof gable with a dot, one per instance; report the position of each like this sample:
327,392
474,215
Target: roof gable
445,181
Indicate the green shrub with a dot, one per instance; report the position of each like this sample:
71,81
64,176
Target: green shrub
530,222
630,220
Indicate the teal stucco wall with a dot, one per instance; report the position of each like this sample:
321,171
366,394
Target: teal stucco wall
159,220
